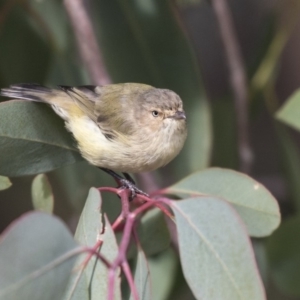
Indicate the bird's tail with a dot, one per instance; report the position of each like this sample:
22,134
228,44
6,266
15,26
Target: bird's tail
28,91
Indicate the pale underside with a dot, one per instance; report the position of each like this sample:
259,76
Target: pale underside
152,150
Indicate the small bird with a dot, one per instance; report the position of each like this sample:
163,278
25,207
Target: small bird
127,127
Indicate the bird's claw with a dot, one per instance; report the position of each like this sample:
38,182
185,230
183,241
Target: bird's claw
126,182
134,190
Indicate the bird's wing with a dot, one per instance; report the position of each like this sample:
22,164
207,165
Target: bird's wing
84,96
111,107
116,108
104,106
113,112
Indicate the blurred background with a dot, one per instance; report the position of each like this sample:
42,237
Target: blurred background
233,68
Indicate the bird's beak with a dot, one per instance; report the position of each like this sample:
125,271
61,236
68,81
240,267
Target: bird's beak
178,115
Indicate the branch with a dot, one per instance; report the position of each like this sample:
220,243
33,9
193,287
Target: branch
237,80
87,42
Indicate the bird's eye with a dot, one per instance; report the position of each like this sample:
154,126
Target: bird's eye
155,113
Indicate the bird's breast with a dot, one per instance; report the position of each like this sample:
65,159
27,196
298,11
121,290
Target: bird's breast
144,150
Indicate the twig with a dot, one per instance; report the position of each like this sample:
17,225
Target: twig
130,280
238,82
87,43
121,260
130,218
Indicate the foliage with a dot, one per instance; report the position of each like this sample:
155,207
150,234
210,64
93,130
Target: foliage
193,236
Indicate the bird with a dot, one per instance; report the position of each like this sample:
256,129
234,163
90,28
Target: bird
125,127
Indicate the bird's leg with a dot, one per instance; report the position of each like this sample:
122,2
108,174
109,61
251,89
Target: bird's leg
115,175
125,183
128,177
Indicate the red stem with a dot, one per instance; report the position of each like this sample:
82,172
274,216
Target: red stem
130,218
111,284
130,280
121,257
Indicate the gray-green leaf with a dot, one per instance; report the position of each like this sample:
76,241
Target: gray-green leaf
142,277
91,283
215,251
36,258
283,250
153,232
33,139
254,203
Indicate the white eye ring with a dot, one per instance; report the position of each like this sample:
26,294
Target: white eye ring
155,113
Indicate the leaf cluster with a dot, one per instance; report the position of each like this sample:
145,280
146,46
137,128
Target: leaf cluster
161,248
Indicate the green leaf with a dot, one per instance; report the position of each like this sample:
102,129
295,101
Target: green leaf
163,271
91,228
33,139
148,45
63,66
290,161
283,249
36,257
41,193
58,32
24,53
5,183
290,111
75,181
256,206
142,277
153,232
215,252
259,248
90,224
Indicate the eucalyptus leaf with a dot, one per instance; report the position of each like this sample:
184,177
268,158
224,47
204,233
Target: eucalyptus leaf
163,271
64,68
92,281
41,193
90,224
283,249
215,252
75,181
37,254
290,111
24,53
55,21
5,183
255,204
142,277
290,161
153,232
33,139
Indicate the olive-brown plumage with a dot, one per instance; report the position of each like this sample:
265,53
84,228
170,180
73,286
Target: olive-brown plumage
127,127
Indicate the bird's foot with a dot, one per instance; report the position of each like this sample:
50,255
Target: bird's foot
126,182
